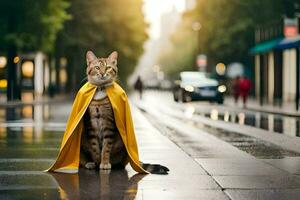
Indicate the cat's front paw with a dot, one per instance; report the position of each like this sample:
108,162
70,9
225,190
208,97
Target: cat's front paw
90,165
105,166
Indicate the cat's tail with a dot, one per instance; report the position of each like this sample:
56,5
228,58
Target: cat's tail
155,168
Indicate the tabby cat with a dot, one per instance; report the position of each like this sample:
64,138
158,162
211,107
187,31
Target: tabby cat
101,143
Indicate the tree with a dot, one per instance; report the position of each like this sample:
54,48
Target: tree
103,26
28,25
227,31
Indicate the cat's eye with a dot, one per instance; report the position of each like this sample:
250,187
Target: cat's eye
97,67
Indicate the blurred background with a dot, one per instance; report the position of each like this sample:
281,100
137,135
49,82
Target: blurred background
218,78
43,45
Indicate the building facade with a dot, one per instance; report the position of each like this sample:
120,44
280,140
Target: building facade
276,58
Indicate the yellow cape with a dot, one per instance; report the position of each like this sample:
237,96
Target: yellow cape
68,158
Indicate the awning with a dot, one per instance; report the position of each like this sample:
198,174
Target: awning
265,46
289,43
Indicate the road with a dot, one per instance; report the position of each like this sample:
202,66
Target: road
249,159
281,130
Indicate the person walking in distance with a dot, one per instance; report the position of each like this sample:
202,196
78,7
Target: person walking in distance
244,87
139,86
236,89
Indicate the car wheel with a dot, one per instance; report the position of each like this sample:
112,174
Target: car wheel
220,101
184,97
175,98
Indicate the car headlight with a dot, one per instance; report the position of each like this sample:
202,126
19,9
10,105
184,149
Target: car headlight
189,88
222,88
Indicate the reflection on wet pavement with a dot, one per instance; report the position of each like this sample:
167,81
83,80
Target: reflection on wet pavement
98,185
84,185
273,123
30,137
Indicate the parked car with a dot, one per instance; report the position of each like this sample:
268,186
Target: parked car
197,86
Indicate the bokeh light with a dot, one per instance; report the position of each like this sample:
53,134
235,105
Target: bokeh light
3,61
221,69
16,59
27,69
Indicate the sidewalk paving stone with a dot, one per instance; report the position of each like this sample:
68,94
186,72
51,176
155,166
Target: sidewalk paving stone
259,182
228,167
186,195
290,164
281,194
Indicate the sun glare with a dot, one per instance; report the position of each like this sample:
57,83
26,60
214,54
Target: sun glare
154,9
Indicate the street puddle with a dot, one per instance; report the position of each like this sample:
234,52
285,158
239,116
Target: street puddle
256,147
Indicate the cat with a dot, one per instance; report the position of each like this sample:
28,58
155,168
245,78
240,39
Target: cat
101,143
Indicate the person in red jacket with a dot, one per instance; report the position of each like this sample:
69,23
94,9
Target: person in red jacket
236,89
244,88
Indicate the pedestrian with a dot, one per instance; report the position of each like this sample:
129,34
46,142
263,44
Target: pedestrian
139,86
236,89
244,87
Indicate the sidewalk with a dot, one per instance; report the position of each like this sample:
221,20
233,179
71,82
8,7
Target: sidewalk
288,109
239,175
186,180
24,158
211,170
30,100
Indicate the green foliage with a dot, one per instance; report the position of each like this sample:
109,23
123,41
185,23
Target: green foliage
226,34
52,20
98,25
103,26
31,25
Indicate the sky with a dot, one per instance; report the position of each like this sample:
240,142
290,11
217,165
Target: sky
153,10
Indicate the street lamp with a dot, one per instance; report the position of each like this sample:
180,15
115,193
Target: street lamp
3,61
196,26
63,76
27,69
221,69
16,59
3,82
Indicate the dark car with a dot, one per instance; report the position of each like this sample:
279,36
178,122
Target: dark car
197,86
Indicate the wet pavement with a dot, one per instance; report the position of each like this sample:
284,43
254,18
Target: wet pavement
271,122
29,145
251,145
231,119
204,159
246,162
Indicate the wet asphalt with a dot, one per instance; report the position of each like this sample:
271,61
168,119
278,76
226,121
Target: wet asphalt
206,162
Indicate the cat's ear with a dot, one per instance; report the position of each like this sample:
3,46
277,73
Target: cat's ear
90,56
113,57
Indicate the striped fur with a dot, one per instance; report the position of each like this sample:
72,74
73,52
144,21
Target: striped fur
101,71
101,143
